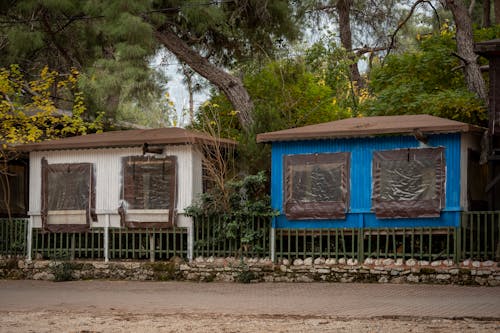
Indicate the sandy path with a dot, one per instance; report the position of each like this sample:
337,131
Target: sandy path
69,321
124,306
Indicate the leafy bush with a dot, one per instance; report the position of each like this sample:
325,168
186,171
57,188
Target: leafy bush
230,213
62,271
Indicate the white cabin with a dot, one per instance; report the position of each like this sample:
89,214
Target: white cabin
128,179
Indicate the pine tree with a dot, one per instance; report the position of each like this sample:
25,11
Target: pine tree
111,42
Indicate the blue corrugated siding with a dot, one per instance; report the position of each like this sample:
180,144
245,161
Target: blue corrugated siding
362,149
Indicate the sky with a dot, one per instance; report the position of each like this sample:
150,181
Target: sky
177,89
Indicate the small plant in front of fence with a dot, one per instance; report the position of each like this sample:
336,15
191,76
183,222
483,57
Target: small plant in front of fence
61,267
245,275
62,271
164,271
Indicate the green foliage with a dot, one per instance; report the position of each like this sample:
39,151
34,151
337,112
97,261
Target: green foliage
112,42
246,196
425,81
29,113
245,275
487,33
62,271
235,30
235,208
164,271
107,42
330,64
288,93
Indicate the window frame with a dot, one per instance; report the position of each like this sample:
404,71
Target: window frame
23,198
134,218
326,210
90,214
392,209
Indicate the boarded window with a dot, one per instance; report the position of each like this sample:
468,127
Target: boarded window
68,199
316,186
149,185
408,183
13,185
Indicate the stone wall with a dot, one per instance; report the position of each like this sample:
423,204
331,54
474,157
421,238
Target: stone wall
468,272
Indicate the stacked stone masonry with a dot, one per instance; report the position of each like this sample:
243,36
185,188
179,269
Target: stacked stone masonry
468,272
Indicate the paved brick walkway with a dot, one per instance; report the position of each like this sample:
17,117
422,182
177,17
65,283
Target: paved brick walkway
301,299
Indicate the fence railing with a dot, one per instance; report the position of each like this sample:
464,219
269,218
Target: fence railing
13,234
409,243
225,236
404,243
160,244
477,238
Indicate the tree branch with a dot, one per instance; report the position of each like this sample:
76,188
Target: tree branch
229,84
363,50
465,61
402,24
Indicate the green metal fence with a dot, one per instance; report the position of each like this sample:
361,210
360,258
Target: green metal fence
328,243
479,236
68,245
161,244
13,236
237,235
404,243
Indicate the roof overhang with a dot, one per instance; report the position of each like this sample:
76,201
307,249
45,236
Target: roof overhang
372,126
129,138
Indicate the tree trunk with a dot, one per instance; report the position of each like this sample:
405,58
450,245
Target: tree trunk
188,80
230,85
486,13
465,48
343,10
497,11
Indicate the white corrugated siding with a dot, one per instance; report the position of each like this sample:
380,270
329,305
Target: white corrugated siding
107,167
197,173
468,142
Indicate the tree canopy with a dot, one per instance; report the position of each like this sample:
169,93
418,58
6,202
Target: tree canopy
29,113
427,80
368,58
111,43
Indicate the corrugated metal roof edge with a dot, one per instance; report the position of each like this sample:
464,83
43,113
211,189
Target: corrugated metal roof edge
278,136
43,146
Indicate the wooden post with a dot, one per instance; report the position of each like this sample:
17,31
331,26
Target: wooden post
106,239
152,247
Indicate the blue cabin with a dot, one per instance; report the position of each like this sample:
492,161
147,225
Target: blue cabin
376,172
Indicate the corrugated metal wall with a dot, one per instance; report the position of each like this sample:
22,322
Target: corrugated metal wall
107,163
362,149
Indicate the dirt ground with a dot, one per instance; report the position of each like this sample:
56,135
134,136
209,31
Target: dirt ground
117,321
121,306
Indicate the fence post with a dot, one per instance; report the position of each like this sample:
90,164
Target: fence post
458,237
29,239
272,240
190,240
361,246
106,239
152,246
458,245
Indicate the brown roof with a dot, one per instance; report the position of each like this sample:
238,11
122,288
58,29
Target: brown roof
370,126
128,138
488,48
